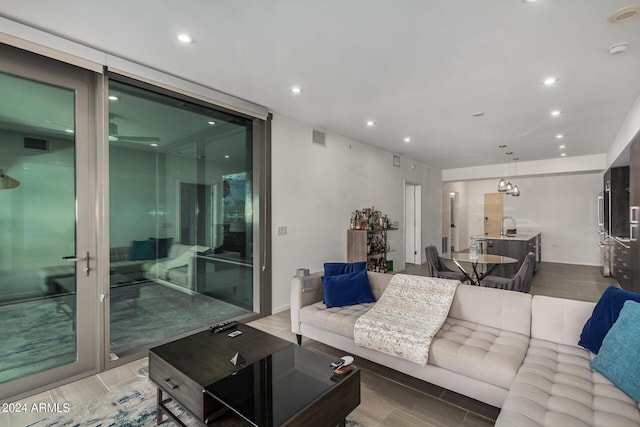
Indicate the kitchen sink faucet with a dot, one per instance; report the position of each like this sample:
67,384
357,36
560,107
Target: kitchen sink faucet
502,230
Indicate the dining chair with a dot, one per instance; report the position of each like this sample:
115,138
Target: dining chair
435,268
520,282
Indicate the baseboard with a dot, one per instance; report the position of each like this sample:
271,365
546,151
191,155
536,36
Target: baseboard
280,309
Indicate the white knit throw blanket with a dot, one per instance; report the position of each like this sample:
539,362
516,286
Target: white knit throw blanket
407,316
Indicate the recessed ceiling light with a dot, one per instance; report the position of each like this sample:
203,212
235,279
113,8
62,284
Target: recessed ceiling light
617,48
153,144
555,113
296,89
528,1
502,146
113,98
226,156
478,114
185,38
625,13
407,139
370,123
549,81
211,122
560,136
563,154
508,153
562,147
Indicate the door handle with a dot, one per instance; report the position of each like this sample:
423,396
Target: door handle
76,258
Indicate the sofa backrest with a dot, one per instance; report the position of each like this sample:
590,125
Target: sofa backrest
559,320
378,283
497,308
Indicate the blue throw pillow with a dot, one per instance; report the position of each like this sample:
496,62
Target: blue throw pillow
336,268
347,289
142,249
605,313
618,356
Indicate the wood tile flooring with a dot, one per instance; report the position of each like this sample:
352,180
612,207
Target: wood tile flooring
389,398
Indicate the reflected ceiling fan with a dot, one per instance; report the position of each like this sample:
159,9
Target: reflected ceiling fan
115,136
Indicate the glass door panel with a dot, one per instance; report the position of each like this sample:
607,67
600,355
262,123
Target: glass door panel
181,217
44,316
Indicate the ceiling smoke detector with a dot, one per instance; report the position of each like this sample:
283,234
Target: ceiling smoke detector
624,14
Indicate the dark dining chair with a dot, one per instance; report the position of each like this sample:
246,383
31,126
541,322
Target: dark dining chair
435,268
520,282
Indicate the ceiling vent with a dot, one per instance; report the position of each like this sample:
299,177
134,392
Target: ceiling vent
624,14
36,144
318,138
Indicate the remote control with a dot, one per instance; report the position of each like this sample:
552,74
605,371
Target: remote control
223,326
335,365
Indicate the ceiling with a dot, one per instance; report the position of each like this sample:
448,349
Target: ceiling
418,68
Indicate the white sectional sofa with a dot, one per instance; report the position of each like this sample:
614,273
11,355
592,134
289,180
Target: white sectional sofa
504,348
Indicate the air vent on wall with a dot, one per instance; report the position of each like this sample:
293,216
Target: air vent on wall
36,144
318,138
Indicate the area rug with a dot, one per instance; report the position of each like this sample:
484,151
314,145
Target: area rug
38,335
131,406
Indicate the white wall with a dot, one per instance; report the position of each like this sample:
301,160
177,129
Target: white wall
315,189
562,207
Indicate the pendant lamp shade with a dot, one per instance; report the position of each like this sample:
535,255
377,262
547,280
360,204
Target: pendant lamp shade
502,185
6,182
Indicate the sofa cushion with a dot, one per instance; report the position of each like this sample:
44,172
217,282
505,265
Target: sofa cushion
481,352
556,387
337,268
618,357
339,320
347,289
605,313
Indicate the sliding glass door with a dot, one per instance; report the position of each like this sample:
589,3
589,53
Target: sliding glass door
47,284
181,216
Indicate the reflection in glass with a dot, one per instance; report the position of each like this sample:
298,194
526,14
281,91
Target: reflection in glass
37,227
181,216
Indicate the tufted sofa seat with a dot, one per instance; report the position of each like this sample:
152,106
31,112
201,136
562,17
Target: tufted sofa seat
507,349
555,385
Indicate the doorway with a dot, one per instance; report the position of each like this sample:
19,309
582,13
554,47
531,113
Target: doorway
48,280
413,215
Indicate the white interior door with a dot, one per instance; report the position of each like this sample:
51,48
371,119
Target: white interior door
412,223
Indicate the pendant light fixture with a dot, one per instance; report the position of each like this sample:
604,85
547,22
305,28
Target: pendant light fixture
515,191
6,182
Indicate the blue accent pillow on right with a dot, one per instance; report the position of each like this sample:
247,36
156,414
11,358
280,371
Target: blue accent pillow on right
337,268
618,356
604,315
347,289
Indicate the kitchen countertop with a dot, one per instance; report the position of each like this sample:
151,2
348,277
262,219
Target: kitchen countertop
526,235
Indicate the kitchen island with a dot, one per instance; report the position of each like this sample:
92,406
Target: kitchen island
511,245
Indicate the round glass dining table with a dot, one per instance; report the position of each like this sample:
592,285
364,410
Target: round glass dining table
489,262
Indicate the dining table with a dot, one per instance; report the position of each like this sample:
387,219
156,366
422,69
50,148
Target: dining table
487,263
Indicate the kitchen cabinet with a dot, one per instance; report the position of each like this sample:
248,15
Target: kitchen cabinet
634,200
618,183
620,262
515,247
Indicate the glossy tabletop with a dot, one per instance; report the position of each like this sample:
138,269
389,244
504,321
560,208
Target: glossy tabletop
481,258
272,390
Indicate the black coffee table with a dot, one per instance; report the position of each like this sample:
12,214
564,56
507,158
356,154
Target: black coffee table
279,384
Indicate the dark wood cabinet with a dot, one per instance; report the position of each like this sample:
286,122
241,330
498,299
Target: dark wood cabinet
619,193
634,200
513,248
620,263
